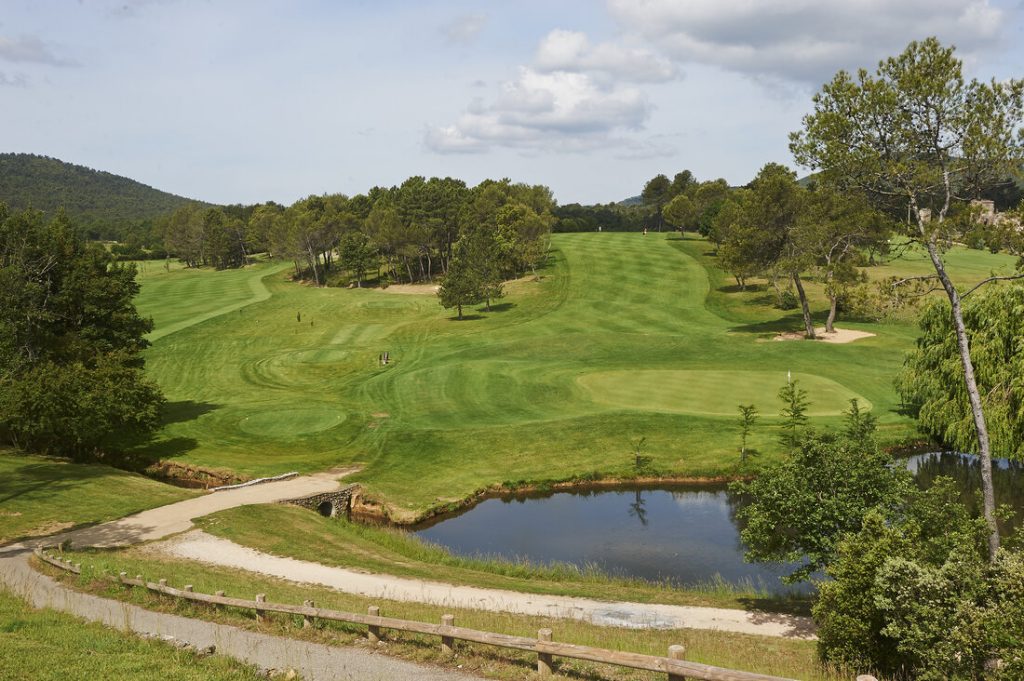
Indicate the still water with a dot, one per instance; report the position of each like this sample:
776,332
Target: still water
684,534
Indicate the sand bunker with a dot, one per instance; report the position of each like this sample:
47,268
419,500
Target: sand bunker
839,336
412,289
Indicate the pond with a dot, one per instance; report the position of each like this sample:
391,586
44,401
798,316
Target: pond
683,534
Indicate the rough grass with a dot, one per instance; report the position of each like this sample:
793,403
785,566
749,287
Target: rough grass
782,657
298,533
40,495
520,393
46,644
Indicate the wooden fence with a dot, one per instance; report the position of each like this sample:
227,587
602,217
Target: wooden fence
546,649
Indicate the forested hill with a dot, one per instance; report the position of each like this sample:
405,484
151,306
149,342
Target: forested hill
104,203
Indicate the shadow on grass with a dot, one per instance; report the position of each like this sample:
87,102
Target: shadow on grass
51,477
791,322
467,318
736,288
499,307
185,410
143,456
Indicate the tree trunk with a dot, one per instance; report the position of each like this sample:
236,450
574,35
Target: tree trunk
313,258
460,311
984,447
808,322
833,300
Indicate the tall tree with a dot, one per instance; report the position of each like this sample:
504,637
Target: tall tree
681,212
832,231
919,137
708,198
683,183
71,380
655,195
766,234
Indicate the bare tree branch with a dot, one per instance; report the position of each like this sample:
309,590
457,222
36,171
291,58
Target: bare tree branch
1007,277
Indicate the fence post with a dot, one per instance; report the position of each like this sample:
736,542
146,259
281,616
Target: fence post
188,588
676,653
372,630
260,598
219,594
307,620
544,659
162,582
447,642
121,576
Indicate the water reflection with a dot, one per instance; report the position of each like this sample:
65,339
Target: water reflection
965,470
685,535
637,510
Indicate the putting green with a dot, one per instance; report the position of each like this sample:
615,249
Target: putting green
713,393
283,424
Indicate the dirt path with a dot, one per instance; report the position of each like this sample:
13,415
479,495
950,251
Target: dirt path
162,522
199,546
313,661
158,523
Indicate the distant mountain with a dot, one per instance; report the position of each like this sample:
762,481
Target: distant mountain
632,201
106,205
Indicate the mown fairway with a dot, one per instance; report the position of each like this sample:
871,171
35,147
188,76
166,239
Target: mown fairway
624,337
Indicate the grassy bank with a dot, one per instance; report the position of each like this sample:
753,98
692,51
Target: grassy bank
45,644
297,533
39,495
796,659
624,336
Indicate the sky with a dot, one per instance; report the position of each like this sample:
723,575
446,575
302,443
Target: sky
243,101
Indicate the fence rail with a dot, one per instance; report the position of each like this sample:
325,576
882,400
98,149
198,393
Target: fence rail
546,649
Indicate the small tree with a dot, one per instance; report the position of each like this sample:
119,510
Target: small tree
641,463
794,412
748,416
860,424
461,285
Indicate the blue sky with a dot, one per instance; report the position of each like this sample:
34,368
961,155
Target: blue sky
245,101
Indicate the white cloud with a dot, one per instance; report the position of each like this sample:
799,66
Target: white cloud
30,49
464,29
803,40
563,50
541,111
13,80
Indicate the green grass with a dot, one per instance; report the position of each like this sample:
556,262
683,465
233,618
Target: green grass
713,393
623,337
46,644
39,495
178,298
782,657
298,533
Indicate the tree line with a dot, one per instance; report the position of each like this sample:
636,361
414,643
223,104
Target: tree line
410,233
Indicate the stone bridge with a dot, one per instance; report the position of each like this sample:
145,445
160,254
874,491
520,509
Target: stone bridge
328,504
